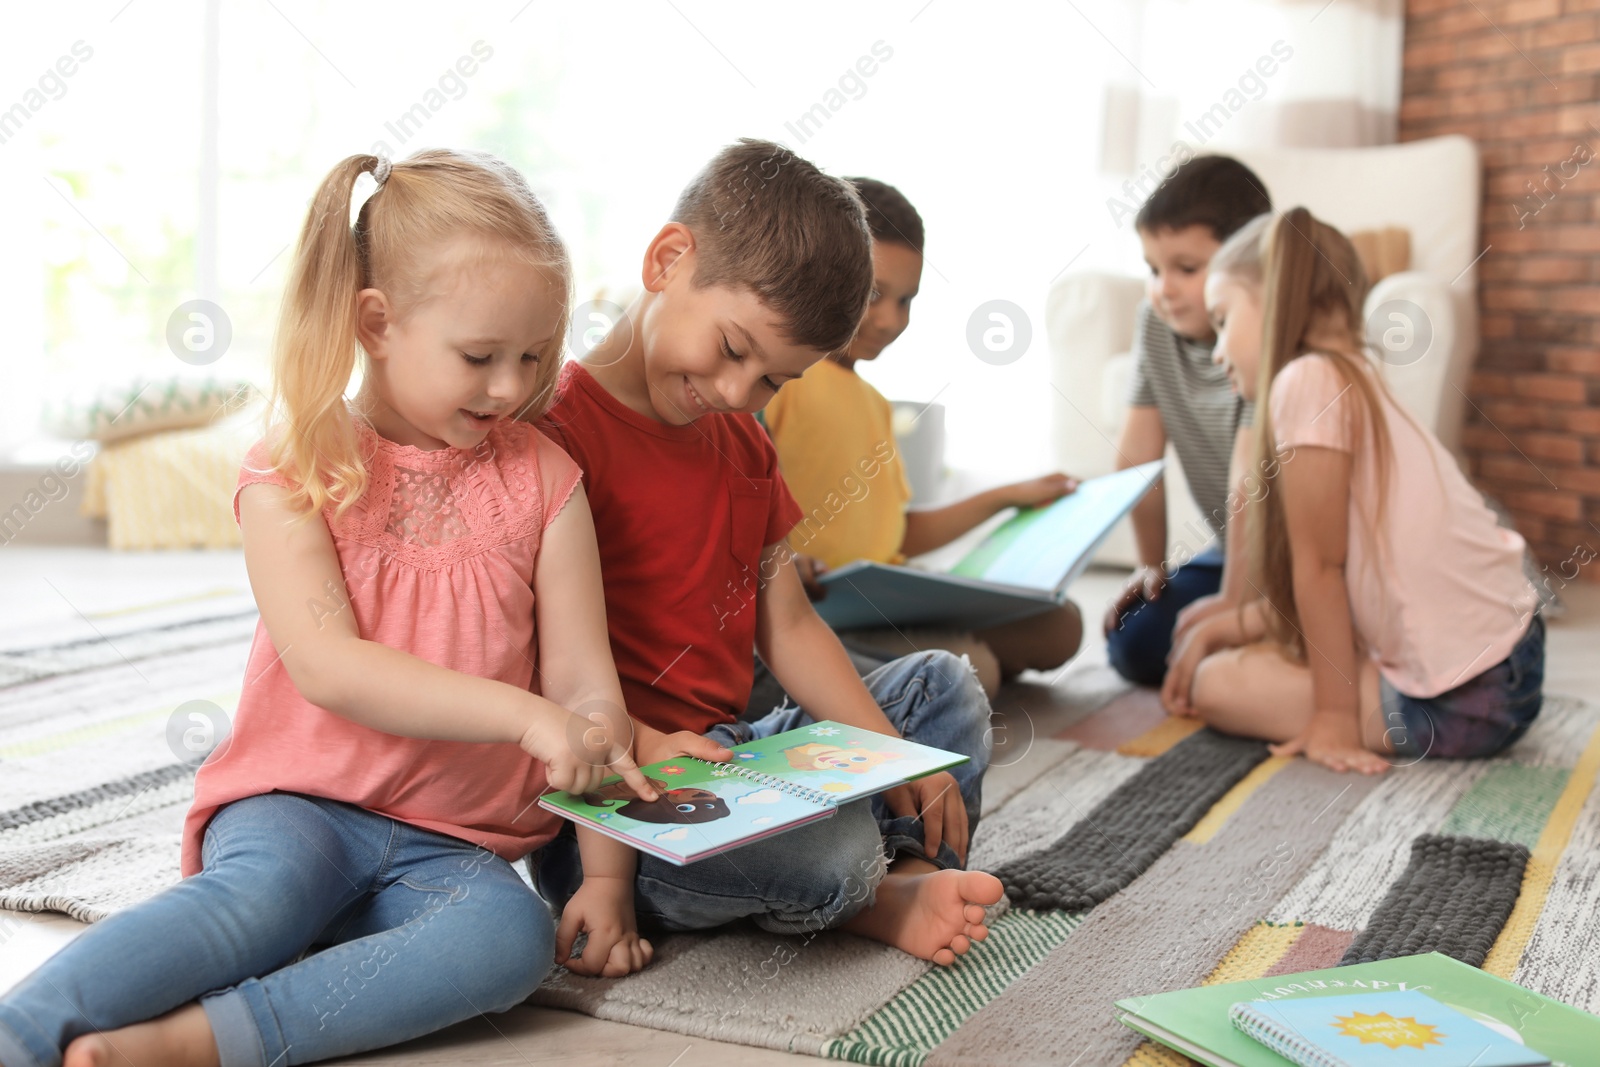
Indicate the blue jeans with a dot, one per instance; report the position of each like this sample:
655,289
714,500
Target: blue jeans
818,876
766,693
1138,647
1480,716
421,931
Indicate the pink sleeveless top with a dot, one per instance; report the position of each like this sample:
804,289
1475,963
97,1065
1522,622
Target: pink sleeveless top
438,559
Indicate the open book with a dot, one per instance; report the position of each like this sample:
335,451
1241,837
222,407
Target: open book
771,785
1023,568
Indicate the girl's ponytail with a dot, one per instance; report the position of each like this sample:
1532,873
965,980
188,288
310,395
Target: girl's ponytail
1291,260
1312,282
1288,261
314,352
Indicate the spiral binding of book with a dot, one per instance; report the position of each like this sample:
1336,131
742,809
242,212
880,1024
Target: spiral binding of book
813,796
1291,1046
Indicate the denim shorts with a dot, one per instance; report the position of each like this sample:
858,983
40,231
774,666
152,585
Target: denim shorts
1477,718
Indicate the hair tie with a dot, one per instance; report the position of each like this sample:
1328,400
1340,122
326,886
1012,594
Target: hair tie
380,173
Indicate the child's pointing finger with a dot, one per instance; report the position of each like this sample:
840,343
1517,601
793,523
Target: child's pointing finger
637,781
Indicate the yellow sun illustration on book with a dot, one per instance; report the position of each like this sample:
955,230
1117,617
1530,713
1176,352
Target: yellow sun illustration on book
1387,1030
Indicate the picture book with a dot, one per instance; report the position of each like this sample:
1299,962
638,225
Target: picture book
1196,1022
1023,568
770,785
1378,1030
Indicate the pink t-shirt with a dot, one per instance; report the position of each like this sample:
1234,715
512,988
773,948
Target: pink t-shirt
1438,594
438,559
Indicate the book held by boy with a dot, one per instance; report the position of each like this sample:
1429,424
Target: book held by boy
1198,1023
1022,568
771,784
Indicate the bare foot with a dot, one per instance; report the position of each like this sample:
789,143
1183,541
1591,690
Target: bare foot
180,1039
932,914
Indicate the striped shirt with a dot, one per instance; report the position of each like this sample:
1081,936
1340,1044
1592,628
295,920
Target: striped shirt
1199,409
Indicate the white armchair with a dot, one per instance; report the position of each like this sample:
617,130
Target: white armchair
1430,187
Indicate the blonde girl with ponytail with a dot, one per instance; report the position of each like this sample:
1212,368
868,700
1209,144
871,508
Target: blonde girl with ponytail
432,656
1391,619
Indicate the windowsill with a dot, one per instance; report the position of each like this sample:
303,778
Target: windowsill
39,452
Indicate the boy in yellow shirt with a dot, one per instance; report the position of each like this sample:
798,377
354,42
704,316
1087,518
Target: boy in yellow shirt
835,440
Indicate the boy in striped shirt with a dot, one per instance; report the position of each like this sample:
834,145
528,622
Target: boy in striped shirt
1180,395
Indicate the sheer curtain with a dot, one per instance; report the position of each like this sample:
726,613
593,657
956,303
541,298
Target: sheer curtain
137,185
1282,73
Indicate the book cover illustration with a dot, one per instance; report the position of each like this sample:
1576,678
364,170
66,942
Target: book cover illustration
1378,1029
1196,1021
841,762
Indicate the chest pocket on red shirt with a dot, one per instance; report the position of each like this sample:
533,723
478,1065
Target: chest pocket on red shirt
749,502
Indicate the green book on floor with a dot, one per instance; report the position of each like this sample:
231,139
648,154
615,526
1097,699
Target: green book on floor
770,785
1196,1022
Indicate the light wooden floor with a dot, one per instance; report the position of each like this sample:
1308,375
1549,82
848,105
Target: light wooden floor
62,584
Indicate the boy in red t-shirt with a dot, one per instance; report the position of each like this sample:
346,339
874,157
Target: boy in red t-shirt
765,269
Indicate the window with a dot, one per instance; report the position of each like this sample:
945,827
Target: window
135,188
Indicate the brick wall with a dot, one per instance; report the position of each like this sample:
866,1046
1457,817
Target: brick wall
1522,77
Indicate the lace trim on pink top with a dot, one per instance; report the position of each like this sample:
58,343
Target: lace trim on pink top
433,509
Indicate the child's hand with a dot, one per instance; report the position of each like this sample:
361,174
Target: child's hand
1182,663
603,909
937,799
579,752
1036,491
1333,739
652,746
1198,612
1144,584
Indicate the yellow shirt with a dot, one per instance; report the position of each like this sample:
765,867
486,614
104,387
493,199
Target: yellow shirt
835,439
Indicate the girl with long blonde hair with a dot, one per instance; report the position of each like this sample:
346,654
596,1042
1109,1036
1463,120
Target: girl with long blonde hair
431,657
1391,618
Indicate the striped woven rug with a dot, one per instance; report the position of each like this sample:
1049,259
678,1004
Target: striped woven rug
1152,857
1281,869
92,788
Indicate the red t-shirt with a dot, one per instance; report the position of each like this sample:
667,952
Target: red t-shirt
682,514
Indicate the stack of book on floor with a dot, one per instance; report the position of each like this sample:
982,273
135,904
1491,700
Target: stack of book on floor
1425,1011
